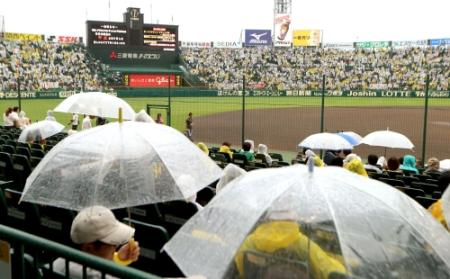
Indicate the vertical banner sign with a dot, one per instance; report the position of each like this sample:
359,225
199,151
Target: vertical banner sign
307,37
283,33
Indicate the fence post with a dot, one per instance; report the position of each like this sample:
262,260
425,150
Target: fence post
243,111
425,121
322,107
169,112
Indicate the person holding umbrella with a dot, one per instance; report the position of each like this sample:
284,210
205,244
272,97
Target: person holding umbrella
99,233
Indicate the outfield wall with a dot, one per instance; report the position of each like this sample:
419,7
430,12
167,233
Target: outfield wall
193,92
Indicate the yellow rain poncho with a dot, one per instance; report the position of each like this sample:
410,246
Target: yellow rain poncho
226,149
285,235
356,166
203,147
436,210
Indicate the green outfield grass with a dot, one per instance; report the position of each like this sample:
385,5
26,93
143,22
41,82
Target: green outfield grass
200,106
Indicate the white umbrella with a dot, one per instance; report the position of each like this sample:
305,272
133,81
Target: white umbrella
120,165
388,139
328,221
326,141
96,104
42,129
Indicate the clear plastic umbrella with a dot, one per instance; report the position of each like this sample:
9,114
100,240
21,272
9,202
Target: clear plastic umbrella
325,141
42,129
332,223
96,104
388,139
120,165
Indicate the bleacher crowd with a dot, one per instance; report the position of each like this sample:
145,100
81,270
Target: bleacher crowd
47,66
303,68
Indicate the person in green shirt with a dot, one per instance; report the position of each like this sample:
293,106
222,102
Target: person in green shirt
246,151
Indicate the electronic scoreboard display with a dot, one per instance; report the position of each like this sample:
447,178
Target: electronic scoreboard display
107,34
159,36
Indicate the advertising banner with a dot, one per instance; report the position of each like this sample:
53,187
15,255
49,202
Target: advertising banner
306,37
258,37
68,39
339,45
196,44
227,44
23,37
151,80
379,44
440,42
404,44
283,33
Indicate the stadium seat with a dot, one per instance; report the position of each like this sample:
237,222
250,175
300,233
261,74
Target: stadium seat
37,152
412,192
436,195
276,157
408,180
281,163
425,202
220,159
7,171
23,151
34,161
147,213
48,147
151,240
22,167
205,195
434,175
175,214
261,158
422,177
426,187
392,182
227,156
431,181
56,222
214,149
240,160
23,216
9,149
11,142
36,146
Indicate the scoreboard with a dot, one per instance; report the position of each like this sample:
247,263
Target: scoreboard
133,43
155,36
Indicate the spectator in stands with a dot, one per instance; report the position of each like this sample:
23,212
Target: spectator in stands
14,117
393,164
310,155
226,148
329,156
372,164
100,121
50,116
86,124
356,166
432,166
381,163
159,119
279,233
203,147
252,145
262,149
230,172
246,147
337,162
350,157
23,120
7,123
99,233
142,116
409,164
444,181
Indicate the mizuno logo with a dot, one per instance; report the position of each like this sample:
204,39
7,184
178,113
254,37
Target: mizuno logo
258,36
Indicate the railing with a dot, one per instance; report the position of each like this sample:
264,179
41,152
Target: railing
20,241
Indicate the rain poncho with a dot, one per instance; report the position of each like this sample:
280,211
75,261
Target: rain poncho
230,172
276,236
262,149
226,149
203,147
317,161
142,116
356,166
409,164
436,210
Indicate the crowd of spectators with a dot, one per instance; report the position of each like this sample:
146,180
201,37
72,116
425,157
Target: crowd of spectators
46,66
303,68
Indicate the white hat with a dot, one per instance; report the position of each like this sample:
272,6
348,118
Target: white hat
97,223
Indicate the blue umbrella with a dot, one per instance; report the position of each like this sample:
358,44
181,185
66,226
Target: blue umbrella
348,138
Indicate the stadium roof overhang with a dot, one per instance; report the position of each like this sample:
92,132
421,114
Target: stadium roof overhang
152,70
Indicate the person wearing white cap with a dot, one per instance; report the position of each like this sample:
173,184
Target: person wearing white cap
99,233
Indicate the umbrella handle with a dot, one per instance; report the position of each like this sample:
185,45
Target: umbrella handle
120,115
117,259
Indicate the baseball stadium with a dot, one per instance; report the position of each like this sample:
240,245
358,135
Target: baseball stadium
130,153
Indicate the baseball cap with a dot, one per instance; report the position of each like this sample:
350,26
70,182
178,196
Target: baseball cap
98,223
